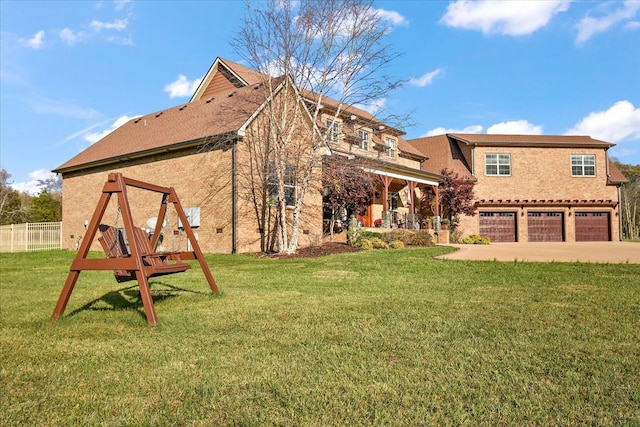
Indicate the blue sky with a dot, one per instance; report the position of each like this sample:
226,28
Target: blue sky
73,71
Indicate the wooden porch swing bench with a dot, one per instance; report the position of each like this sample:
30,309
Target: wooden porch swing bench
155,263
129,251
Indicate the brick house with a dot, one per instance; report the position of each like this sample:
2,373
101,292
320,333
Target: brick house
528,188
531,188
202,149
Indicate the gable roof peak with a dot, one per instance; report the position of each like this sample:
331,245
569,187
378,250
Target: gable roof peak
234,74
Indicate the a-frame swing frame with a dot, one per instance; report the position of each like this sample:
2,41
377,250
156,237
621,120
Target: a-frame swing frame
135,261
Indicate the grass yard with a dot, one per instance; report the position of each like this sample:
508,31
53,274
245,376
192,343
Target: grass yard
359,339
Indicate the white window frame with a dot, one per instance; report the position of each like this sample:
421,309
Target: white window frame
290,187
499,161
390,147
580,168
365,138
333,130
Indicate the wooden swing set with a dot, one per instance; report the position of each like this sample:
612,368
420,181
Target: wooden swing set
131,254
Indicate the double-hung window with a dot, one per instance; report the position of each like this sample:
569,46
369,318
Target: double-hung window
583,165
497,164
364,140
390,148
289,184
333,130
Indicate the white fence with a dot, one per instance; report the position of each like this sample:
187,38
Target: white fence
31,237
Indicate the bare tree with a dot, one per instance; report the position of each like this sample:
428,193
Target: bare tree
331,55
630,200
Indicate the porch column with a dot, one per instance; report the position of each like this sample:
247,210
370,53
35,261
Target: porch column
386,182
412,191
386,215
436,202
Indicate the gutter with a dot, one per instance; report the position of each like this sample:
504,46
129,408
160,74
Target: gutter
145,153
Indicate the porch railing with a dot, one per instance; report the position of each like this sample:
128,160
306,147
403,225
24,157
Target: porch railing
31,237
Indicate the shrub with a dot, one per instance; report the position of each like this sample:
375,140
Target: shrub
365,244
474,239
401,235
364,235
396,244
370,235
379,244
422,238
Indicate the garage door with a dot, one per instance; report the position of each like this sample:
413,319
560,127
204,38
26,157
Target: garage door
592,227
498,226
545,226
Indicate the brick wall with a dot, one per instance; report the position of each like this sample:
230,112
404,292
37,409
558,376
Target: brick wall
200,180
542,174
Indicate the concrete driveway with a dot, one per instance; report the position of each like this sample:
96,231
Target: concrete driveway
599,252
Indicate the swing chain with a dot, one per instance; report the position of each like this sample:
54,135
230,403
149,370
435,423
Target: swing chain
115,226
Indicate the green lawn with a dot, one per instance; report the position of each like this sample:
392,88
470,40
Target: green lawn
369,338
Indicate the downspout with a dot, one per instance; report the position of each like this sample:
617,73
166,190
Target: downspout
618,190
234,207
619,213
473,160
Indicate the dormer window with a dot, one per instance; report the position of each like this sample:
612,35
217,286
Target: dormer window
364,140
333,131
390,147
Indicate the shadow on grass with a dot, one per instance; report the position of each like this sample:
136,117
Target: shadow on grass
129,298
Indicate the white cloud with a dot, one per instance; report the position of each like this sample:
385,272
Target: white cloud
373,107
33,186
61,108
35,42
118,25
515,127
392,17
93,137
589,26
425,79
127,41
621,121
120,4
182,87
513,18
632,25
70,37
441,130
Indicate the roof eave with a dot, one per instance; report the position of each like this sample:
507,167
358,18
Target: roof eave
577,144
146,153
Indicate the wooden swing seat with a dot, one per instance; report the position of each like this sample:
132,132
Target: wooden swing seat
155,263
130,253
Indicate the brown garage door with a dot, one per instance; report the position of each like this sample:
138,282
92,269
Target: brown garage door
545,226
498,226
592,227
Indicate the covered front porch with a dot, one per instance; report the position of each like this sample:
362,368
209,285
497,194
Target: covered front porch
397,202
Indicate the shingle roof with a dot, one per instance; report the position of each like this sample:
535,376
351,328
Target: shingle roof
615,175
530,140
442,153
253,76
407,148
245,73
173,128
